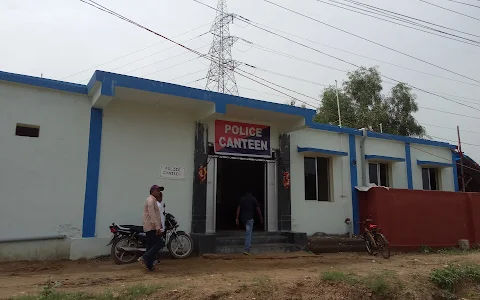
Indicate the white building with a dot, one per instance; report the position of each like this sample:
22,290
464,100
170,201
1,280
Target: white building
75,158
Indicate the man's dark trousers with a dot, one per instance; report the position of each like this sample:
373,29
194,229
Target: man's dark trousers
154,244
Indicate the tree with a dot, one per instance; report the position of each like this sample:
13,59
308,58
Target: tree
362,105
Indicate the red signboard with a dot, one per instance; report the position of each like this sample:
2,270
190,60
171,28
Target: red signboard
241,139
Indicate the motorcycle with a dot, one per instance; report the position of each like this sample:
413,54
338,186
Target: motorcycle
129,241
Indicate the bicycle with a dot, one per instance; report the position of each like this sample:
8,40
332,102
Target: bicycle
374,239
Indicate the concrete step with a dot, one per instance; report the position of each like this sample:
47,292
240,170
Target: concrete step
237,240
256,248
241,233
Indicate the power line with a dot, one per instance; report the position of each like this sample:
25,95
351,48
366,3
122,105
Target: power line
451,10
314,49
449,35
189,74
263,48
128,54
363,56
196,79
464,3
376,8
285,75
154,63
278,85
450,113
340,59
454,129
176,65
470,144
153,54
165,59
370,41
103,8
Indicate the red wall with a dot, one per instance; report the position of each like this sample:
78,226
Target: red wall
411,218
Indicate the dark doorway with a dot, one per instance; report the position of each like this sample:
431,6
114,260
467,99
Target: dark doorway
234,178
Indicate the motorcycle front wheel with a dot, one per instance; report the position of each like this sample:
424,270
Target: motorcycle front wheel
121,256
180,245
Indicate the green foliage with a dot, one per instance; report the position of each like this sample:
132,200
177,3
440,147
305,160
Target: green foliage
132,293
336,276
447,278
426,249
362,105
384,284
380,286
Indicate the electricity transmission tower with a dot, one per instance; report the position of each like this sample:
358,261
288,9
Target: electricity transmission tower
221,74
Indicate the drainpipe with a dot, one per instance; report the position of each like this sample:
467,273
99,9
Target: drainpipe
32,239
362,158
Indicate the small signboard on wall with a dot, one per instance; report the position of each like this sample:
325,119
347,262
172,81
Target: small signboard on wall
172,172
242,139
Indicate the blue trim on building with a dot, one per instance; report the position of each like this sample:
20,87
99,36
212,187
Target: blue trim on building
327,127
321,151
111,80
408,161
221,100
455,172
433,163
93,172
354,183
410,140
44,82
385,158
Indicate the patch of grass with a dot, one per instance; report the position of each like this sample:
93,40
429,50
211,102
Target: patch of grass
130,293
378,285
336,276
262,285
456,251
426,249
447,278
385,284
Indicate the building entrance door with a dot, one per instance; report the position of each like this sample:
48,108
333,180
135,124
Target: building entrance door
236,177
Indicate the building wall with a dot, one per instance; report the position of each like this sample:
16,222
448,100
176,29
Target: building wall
435,154
397,170
42,180
317,216
136,139
53,249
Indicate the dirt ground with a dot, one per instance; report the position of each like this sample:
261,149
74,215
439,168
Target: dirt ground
280,276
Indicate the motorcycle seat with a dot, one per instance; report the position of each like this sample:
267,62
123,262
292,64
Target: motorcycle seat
133,228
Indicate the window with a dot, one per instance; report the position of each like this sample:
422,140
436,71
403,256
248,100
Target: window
317,178
430,179
378,174
27,130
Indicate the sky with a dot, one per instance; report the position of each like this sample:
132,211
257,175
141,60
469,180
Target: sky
68,40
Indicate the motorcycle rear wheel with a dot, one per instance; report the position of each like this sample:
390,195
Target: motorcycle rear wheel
122,257
181,245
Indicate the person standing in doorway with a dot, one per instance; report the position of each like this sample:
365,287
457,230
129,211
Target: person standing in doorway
246,209
152,225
